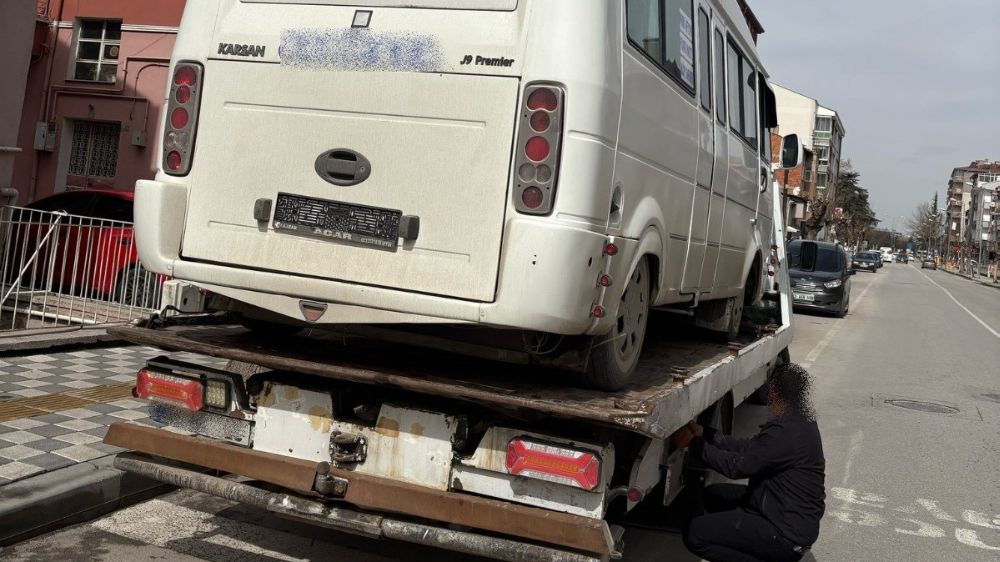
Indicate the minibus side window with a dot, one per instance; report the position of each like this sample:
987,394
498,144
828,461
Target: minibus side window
735,92
765,97
705,60
742,96
720,77
664,31
644,27
749,103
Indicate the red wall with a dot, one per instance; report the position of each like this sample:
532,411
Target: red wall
135,100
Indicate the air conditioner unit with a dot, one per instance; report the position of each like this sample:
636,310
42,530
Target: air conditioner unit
45,136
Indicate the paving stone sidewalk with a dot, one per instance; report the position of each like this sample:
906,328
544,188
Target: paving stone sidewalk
56,407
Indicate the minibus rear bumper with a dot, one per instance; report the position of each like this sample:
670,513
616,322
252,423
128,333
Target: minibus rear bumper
548,281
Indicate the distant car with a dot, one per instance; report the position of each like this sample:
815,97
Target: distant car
928,263
865,260
95,253
821,276
887,257
903,258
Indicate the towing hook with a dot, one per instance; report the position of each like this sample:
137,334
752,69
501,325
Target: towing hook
348,448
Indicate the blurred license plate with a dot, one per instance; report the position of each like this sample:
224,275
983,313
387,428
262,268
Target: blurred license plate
804,297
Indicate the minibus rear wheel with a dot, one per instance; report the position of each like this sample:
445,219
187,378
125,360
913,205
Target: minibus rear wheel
614,355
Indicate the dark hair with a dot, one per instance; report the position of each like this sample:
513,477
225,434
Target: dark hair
793,385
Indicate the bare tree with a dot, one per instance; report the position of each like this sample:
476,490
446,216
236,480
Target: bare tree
925,224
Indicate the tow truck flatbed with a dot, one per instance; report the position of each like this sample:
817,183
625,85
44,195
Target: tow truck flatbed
678,377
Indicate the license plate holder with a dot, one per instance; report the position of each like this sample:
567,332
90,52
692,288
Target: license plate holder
336,220
803,297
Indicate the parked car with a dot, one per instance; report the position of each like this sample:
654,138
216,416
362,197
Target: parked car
820,276
90,252
347,215
928,263
887,256
866,260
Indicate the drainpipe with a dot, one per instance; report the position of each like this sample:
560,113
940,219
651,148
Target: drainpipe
33,186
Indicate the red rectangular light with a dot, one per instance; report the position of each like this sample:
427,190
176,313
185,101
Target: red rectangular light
553,464
180,391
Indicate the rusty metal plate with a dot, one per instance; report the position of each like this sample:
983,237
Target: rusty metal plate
288,472
369,492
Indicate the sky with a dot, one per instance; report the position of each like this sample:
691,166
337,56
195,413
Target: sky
915,82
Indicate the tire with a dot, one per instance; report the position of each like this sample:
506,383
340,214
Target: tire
759,396
614,356
843,309
138,287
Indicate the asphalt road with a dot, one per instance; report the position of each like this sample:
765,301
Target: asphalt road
902,484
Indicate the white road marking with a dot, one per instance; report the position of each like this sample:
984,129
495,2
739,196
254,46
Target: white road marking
859,508
982,519
852,452
923,530
832,333
962,306
971,538
935,510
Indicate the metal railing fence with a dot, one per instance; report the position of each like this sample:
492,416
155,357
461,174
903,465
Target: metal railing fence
60,269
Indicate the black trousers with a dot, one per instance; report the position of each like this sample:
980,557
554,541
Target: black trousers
731,533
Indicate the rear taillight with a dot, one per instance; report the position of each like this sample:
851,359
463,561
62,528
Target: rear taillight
562,465
161,387
182,118
536,161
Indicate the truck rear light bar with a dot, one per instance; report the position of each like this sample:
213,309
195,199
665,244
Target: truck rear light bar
182,118
536,159
551,463
171,389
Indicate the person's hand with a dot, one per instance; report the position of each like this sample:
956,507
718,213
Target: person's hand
682,438
695,429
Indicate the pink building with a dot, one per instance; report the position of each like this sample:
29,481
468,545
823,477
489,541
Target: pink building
95,91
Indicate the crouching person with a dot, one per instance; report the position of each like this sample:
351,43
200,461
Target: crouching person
776,517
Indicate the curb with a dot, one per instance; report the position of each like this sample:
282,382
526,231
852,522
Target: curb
973,279
67,496
22,341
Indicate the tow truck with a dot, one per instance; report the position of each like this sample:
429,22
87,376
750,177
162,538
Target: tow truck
367,434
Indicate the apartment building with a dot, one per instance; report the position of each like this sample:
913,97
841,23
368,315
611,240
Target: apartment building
960,194
94,94
822,133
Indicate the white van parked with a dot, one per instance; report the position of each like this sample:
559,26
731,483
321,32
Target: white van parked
555,166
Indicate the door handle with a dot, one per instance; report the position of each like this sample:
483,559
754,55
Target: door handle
763,180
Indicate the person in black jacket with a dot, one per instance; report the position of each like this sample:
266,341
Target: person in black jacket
776,517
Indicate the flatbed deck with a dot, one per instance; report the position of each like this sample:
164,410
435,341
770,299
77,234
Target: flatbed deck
677,377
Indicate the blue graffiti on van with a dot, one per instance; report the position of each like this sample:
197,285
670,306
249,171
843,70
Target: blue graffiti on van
359,49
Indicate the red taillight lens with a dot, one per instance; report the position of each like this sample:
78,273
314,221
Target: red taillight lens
182,118
171,389
185,75
537,149
532,197
179,118
543,98
174,161
536,160
540,121
611,249
553,464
